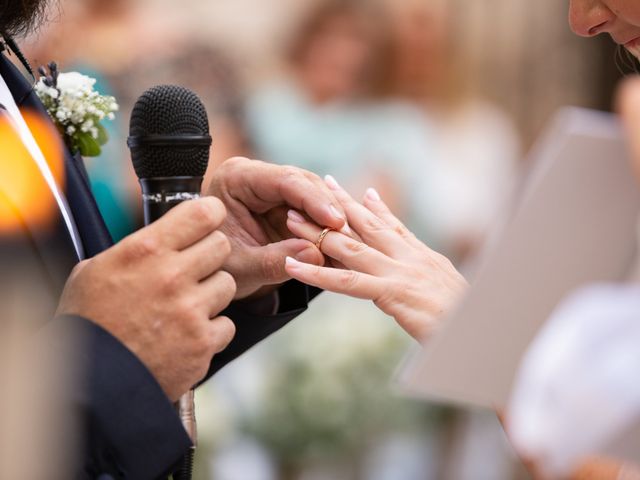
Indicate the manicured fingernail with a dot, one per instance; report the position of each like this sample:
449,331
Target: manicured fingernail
295,217
292,262
346,229
372,194
336,213
332,182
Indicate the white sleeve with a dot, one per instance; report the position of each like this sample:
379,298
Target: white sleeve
578,386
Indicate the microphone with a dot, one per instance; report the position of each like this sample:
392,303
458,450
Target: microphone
170,142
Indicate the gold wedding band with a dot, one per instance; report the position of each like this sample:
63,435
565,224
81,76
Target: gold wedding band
322,236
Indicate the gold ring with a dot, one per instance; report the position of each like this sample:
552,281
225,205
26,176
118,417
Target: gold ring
322,236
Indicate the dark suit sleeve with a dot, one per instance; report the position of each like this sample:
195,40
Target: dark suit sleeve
127,426
253,327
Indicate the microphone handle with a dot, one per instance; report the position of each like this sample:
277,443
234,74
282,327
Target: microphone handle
159,195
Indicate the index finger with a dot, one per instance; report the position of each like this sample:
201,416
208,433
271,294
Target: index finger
263,186
188,223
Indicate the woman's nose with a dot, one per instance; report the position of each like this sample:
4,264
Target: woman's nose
590,17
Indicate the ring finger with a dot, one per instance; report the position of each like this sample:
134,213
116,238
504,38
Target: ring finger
347,251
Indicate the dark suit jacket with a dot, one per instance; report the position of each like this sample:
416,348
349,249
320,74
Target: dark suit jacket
129,429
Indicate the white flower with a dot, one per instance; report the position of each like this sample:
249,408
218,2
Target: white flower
76,106
86,126
74,81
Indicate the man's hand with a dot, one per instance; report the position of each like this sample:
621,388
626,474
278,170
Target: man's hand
159,292
257,196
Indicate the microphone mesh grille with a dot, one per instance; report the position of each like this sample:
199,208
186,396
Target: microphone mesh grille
169,110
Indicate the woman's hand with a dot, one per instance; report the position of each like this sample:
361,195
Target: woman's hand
403,277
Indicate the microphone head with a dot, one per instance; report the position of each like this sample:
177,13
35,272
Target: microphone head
169,134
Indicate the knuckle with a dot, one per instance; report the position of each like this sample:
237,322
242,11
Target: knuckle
357,248
291,171
201,362
374,224
77,270
232,167
272,266
389,295
236,161
291,176
228,283
313,177
349,279
169,278
402,231
188,312
141,246
224,332
208,211
221,243
202,343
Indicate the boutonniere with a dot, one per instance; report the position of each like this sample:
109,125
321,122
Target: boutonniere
76,108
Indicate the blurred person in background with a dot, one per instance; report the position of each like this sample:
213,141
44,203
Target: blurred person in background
475,146
328,114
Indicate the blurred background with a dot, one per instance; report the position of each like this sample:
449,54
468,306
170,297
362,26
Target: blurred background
433,102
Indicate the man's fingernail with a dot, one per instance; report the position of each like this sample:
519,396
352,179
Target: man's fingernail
331,182
292,262
372,194
336,213
295,217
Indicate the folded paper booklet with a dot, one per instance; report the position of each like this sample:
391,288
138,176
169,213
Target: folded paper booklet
575,224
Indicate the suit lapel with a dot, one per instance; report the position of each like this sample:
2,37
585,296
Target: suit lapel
93,232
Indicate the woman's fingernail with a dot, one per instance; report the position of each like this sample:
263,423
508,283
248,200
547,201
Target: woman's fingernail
372,194
331,182
346,229
336,213
292,262
295,217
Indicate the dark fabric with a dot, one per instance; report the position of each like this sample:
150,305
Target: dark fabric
129,428
134,431
294,300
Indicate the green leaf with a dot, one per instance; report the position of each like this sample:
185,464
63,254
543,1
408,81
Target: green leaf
103,135
87,145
